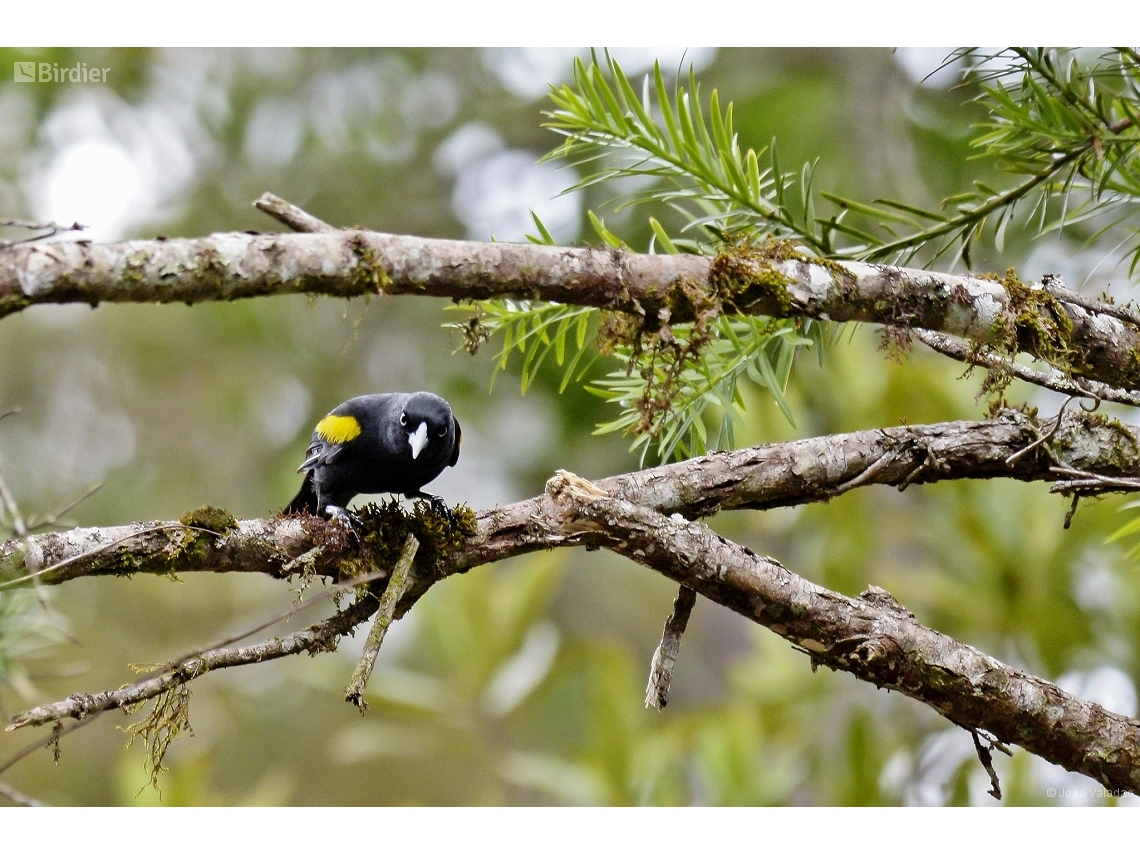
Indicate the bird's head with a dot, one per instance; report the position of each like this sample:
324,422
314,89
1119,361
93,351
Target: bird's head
426,420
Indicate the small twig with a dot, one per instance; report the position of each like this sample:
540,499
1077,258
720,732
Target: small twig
1048,438
12,794
1128,483
927,462
1072,510
200,662
665,656
1050,283
987,760
1081,387
82,706
290,215
52,229
1080,480
53,517
397,585
866,475
355,582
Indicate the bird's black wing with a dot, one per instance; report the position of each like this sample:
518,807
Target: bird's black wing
332,434
305,500
458,441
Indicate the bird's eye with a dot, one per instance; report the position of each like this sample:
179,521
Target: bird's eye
403,419
443,431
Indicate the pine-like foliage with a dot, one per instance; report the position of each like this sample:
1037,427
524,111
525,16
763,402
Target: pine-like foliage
1063,123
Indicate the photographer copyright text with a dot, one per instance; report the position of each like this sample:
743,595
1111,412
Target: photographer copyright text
1084,793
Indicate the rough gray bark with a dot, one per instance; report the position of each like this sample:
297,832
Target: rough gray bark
665,656
275,547
1078,386
870,636
349,263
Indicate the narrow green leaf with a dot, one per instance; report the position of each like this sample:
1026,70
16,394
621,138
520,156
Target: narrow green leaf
605,234
662,237
753,176
1129,528
630,98
872,211
774,385
666,108
911,209
544,236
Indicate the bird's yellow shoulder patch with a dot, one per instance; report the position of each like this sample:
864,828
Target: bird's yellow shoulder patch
338,429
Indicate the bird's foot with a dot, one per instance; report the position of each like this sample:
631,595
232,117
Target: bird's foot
439,506
346,518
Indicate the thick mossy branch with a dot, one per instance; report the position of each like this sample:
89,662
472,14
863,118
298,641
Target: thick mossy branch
774,279
386,528
1036,322
748,272
1002,316
765,476
212,540
217,520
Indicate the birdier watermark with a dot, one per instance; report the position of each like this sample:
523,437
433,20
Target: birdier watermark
53,72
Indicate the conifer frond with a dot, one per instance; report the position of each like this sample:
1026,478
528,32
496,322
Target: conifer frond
1064,123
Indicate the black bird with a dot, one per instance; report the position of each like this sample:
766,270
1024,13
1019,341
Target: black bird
390,443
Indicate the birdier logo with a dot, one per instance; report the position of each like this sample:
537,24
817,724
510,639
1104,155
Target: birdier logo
51,72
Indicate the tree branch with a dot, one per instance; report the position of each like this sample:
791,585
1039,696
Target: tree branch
761,477
1078,386
290,215
319,637
276,547
870,636
665,656
385,614
348,263
642,515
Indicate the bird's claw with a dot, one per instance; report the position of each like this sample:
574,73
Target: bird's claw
440,507
345,518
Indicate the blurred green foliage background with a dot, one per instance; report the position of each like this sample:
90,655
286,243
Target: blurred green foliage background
520,683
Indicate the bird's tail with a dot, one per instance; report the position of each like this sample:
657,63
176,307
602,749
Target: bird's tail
306,498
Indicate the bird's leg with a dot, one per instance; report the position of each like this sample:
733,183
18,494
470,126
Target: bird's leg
437,504
345,517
